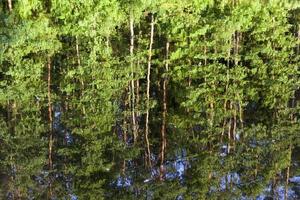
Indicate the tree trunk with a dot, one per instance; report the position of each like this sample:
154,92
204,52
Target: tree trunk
125,128
132,80
164,114
287,183
77,52
79,65
50,114
288,173
137,88
298,39
230,127
148,90
9,5
50,165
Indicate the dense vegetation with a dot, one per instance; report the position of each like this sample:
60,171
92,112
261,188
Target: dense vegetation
98,96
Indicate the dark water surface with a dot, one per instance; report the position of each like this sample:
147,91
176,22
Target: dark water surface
260,162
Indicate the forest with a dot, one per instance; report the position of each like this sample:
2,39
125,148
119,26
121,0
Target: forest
149,99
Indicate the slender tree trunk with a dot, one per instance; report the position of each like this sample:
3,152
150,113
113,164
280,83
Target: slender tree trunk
189,61
240,102
241,113
287,183
50,114
234,123
235,54
125,128
132,79
164,114
236,62
224,120
50,164
137,88
9,5
226,90
230,128
77,52
79,65
9,111
288,174
11,119
148,90
123,168
137,113
229,135
298,38
236,47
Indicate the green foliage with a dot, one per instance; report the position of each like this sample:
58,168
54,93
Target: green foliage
230,77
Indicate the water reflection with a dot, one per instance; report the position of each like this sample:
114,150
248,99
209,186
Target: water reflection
91,161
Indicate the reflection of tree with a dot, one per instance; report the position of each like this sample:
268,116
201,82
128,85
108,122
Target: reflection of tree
23,154
213,115
257,161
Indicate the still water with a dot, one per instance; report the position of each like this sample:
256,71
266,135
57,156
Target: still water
91,161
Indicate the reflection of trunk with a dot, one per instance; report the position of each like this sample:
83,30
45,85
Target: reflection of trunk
274,192
132,80
288,173
256,165
125,118
287,183
294,99
79,65
234,123
148,90
226,91
233,107
189,68
241,113
12,112
236,47
229,134
237,39
137,88
50,124
77,52
211,103
123,168
164,115
9,5
50,114
78,59
298,38
224,120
